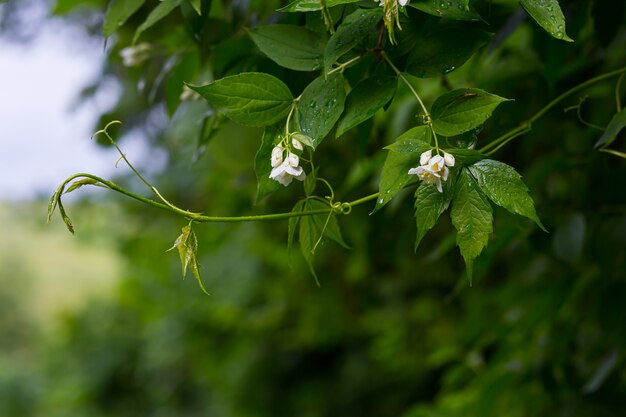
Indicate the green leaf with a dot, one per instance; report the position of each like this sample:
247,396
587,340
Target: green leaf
466,156
65,217
308,238
312,5
249,98
443,51
472,217
309,183
290,46
429,205
367,97
504,186
158,13
52,205
187,246
77,184
262,163
326,224
617,123
404,154
350,32
321,106
117,14
450,9
463,109
394,176
293,223
413,141
548,14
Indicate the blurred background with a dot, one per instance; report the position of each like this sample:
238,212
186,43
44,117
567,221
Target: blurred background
101,323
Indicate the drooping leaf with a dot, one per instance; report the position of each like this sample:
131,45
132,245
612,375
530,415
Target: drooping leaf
394,176
504,186
117,14
350,32
77,184
617,123
472,217
308,237
262,163
320,106
290,46
548,14
450,9
443,51
365,99
326,224
429,205
413,141
313,228
65,217
404,154
293,223
309,183
187,246
463,109
158,13
312,5
249,98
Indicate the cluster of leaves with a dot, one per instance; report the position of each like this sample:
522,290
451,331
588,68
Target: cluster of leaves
345,72
427,47
389,333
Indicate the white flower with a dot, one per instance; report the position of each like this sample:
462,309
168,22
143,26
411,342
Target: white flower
297,144
277,156
426,174
390,15
425,157
449,159
288,169
433,169
135,55
188,94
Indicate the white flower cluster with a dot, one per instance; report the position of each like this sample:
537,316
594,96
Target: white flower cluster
286,164
390,14
433,169
135,55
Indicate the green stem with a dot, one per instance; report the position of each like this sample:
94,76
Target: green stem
342,67
526,126
200,218
364,199
427,119
408,84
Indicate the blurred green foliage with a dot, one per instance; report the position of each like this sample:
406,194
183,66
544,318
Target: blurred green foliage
390,332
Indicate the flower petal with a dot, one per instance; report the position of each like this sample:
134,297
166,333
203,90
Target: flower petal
277,156
293,160
436,163
297,144
449,159
425,157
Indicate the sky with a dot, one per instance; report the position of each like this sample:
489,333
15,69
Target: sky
44,135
